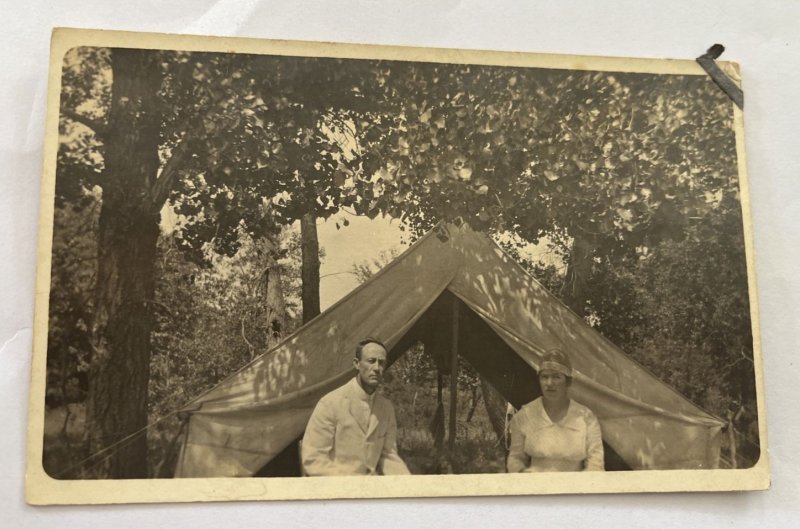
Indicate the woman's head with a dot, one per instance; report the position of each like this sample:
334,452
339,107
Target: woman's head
555,375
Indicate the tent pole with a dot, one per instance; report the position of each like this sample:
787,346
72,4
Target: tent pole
438,418
451,442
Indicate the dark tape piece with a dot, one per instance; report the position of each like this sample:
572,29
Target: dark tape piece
718,76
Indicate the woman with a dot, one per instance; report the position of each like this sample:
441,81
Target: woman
554,433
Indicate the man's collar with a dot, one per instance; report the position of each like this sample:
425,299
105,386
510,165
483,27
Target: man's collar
359,392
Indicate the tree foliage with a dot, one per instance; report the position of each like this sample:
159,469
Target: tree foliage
683,309
73,265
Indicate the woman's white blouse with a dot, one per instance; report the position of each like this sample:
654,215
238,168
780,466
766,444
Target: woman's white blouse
540,445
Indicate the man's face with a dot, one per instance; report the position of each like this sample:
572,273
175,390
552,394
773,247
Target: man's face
371,366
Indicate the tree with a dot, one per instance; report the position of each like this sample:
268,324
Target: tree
602,162
233,143
128,230
683,310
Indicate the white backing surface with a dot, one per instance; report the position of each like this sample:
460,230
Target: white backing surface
761,36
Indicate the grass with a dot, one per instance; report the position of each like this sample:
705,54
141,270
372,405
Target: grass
63,439
477,448
65,449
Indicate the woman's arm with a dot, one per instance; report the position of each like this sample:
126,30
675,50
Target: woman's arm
594,444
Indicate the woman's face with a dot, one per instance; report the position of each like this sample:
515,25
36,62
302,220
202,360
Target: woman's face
554,385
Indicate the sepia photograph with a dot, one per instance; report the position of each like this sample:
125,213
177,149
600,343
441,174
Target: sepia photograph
290,270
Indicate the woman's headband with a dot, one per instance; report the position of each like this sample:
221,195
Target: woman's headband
556,360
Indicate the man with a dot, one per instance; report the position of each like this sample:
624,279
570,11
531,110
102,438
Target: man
353,428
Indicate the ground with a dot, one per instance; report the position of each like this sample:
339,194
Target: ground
478,450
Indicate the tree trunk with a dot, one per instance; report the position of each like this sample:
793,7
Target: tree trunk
473,403
496,407
274,300
574,293
310,274
127,235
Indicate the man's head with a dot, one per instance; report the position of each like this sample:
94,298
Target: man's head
370,362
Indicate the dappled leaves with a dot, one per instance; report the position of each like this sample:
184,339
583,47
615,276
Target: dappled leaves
618,158
622,159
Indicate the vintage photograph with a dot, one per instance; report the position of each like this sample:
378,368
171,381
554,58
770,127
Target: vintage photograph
475,272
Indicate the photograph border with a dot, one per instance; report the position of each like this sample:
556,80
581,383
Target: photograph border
41,489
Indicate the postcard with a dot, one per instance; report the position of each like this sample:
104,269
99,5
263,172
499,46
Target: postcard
299,270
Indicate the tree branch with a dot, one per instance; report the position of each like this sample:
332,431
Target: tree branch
166,180
744,355
97,127
336,274
250,346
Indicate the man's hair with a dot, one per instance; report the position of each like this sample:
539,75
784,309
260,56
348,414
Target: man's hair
366,341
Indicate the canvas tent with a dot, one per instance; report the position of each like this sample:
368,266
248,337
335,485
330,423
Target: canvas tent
507,320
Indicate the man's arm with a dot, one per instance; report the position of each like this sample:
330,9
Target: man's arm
390,461
518,460
594,444
318,441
